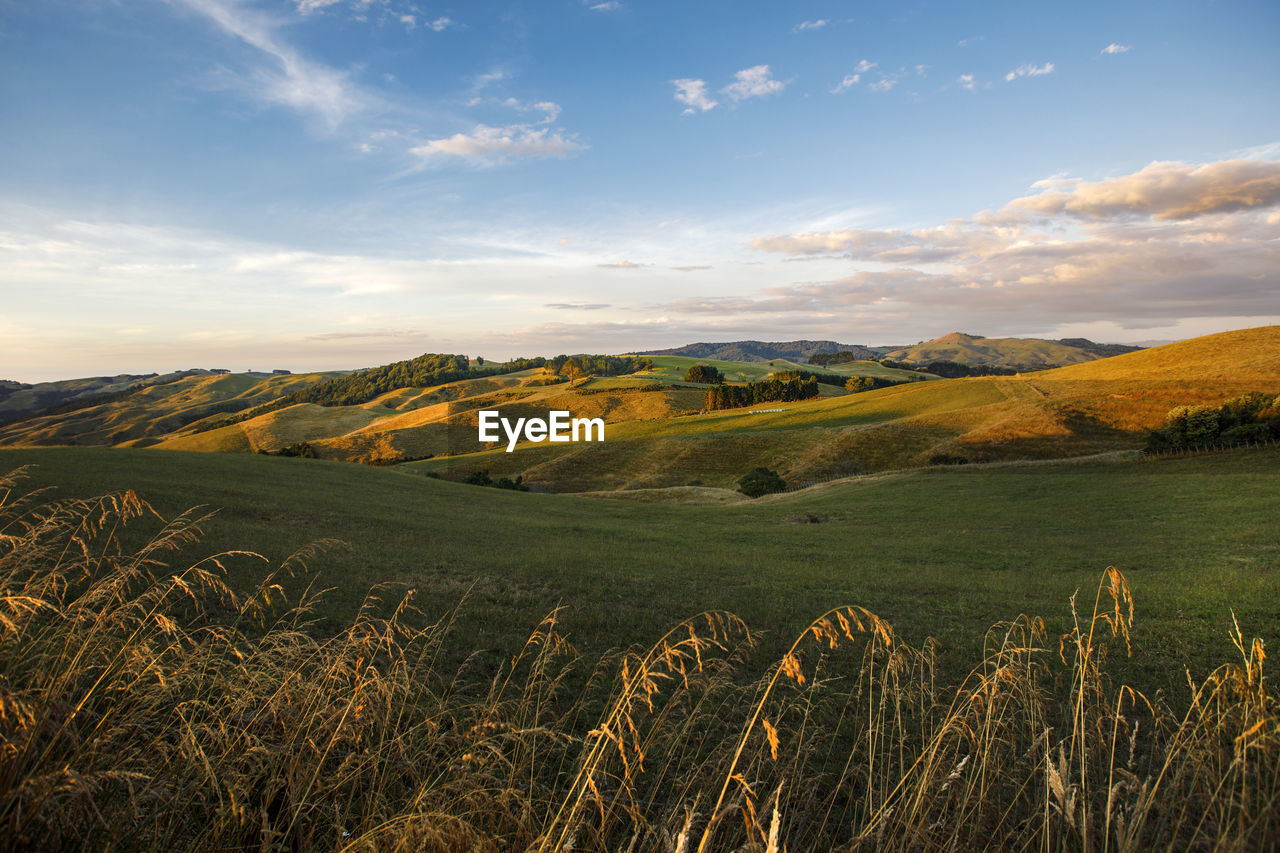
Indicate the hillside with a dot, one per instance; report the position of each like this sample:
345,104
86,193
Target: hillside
1018,353
659,437
21,399
144,413
1086,409
764,350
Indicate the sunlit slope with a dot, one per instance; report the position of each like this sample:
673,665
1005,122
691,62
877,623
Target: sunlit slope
1245,355
1101,406
1004,352
154,412
414,423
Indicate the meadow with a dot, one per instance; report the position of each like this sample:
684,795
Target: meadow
863,666
941,552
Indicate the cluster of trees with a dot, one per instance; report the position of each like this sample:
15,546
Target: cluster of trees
804,375
768,391
858,384
761,481
824,358
482,478
1241,420
574,366
363,385
703,373
954,369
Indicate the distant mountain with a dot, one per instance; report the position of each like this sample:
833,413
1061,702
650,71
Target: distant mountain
765,350
1027,353
1020,353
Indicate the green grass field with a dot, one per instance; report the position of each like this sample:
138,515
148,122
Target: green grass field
938,552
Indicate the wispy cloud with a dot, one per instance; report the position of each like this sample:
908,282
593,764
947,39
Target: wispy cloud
602,5
501,144
692,268
754,82
693,93
285,77
1029,71
622,265
966,81
810,25
854,77
578,306
1114,48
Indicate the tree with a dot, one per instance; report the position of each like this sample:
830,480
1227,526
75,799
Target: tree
703,373
761,481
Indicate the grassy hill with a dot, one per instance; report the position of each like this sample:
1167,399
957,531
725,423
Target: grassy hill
658,438
1022,353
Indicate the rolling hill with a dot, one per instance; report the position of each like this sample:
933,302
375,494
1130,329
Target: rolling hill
765,350
974,350
1018,353
659,437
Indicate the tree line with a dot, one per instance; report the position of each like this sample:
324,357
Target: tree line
1251,417
767,391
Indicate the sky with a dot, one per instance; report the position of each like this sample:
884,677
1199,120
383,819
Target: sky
331,184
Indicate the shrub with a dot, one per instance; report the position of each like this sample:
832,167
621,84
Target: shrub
761,481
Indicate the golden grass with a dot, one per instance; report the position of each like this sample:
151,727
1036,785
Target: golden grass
146,706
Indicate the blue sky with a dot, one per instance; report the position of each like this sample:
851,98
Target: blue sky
320,184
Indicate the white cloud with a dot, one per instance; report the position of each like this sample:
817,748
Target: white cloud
693,93
754,82
854,77
849,81
1029,71
1162,190
810,25
1170,242
883,85
606,6
966,81
622,265
441,23
500,144
287,78
1114,48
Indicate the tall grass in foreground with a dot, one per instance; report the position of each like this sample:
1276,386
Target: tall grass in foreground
144,705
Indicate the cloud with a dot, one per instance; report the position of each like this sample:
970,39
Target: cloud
883,85
691,268
482,81
622,265
1029,71
286,78
754,82
693,93
810,25
578,306
500,144
1164,244
606,6
1163,190
442,23
854,77
1114,48
966,81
